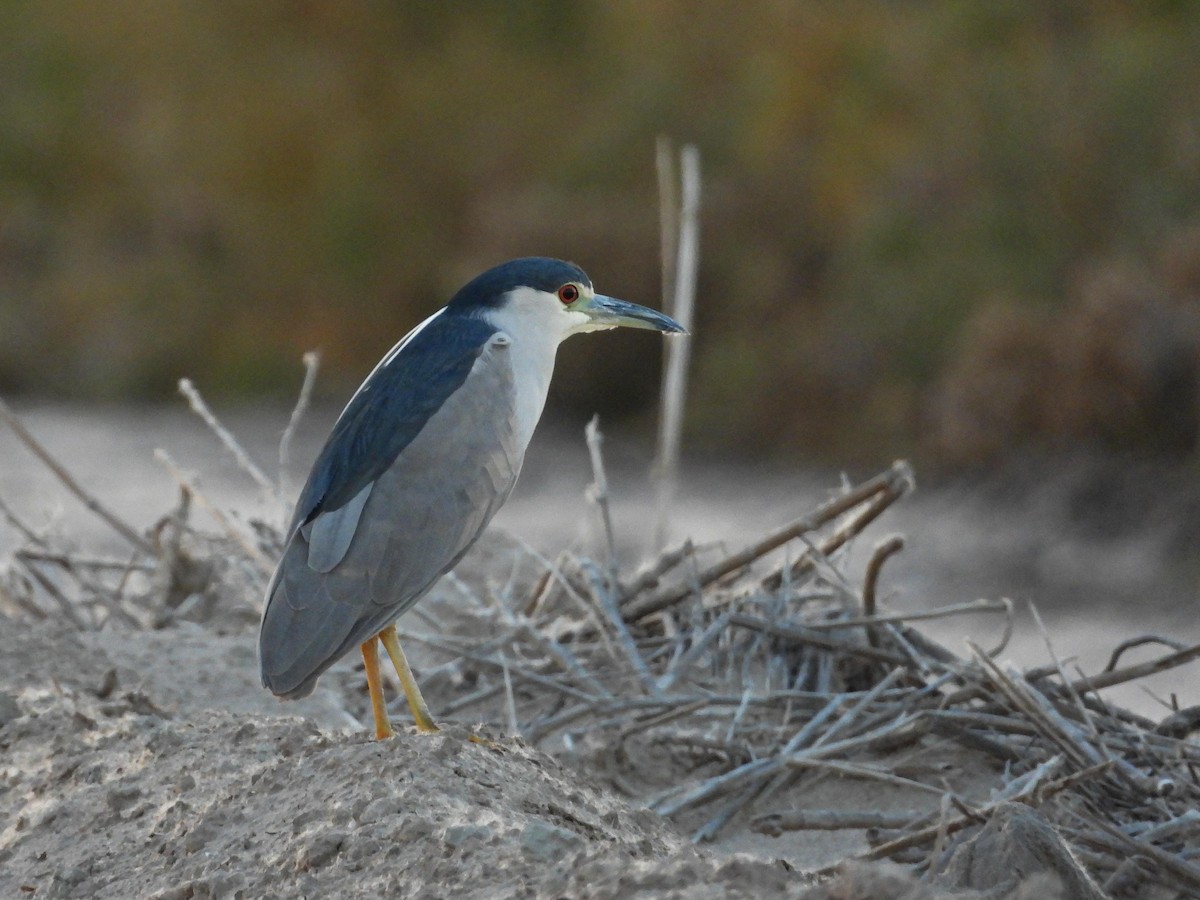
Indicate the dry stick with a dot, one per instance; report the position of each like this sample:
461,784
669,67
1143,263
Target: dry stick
554,650
1008,629
102,596
761,768
776,824
68,608
635,608
598,494
1037,709
925,835
844,720
1095,682
467,700
710,829
678,348
867,771
680,663
983,720
87,562
514,727
312,362
662,718
265,565
802,635
954,609
885,549
1141,670
1062,673
94,505
607,601
16,522
776,784
1139,641
923,665
1188,822
808,699
668,217
893,490
542,589
1181,869
245,463
557,573
818,562
668,228
935,852
650,576
25,603
517,671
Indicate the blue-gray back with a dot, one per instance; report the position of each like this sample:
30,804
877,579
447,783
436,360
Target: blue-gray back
390,409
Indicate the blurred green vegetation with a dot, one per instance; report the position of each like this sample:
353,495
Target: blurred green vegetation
213,188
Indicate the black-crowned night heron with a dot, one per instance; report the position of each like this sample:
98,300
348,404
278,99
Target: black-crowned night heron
422,457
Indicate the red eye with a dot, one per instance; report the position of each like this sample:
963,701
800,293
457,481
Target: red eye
568,293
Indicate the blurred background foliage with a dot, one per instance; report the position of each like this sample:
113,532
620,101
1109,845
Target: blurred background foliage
954,229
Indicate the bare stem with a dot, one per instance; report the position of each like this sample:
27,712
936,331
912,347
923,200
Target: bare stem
68,481
312,362
245,463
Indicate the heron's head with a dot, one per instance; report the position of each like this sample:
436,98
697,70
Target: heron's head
552,298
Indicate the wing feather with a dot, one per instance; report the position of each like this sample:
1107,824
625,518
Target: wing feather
390,409
330,533
420,515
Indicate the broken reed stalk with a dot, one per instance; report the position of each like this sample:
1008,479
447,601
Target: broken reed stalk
668,217
776,824
598,494
891,485
883,551
1140,641
68,481
189,484
245,463
941,612
1037,794
712,695
312,362
18,523
678,348
891,490
1090,683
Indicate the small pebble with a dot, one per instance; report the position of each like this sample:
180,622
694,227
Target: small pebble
544,842
321,848
70,875
381,808
9,709
459,835
122,796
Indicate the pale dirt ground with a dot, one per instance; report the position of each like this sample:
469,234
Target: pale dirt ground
187,780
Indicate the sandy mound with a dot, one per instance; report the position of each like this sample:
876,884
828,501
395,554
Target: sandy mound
150,764
153,791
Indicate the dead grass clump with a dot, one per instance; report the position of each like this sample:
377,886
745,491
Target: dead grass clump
708,683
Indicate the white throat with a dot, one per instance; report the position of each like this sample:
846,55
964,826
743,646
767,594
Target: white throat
535,323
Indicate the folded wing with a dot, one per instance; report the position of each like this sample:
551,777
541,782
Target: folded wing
370,538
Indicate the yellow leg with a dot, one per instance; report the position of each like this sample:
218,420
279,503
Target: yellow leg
416,702
370,653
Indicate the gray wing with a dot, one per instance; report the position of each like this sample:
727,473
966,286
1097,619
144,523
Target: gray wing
347,577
